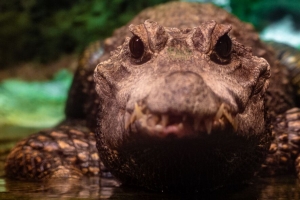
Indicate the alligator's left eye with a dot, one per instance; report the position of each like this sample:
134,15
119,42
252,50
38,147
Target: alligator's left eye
223,46
136,47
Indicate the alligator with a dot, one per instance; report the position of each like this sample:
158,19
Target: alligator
185,98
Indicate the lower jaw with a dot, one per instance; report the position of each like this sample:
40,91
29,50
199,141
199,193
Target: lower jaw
186,164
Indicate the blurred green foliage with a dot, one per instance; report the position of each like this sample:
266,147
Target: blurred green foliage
43,30
263,12
34,104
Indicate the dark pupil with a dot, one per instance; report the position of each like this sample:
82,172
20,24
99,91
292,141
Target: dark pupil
223,46
136,47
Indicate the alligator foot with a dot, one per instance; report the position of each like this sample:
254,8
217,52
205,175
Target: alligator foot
63,152
284,152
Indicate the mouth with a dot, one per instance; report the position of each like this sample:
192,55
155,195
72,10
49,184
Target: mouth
179,125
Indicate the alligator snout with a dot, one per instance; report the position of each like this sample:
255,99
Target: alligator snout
181,105
182,92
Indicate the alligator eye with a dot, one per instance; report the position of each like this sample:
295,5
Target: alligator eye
136,47
223,46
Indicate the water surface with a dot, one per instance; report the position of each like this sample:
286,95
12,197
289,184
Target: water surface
95,188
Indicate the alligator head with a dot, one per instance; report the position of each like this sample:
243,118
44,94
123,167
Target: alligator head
182,108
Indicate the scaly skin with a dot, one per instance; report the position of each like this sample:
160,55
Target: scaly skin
178,110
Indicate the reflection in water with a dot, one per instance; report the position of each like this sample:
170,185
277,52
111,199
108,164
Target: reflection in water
2,185
85,188
104,188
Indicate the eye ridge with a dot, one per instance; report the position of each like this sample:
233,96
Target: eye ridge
223,46
136,47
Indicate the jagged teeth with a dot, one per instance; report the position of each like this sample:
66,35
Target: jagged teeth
152,119
159,128
208,125
231,119
136,114
223,112
220,112
138,111
180,126
164,120
161,121
158,121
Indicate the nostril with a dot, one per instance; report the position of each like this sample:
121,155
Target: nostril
261,82
184,78
185,83
265,73
265,69
183,74
259,86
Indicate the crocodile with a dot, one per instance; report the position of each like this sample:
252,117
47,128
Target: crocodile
183,98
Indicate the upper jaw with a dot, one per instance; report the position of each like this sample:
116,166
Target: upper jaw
181,125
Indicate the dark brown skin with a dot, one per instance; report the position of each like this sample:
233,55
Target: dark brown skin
184,104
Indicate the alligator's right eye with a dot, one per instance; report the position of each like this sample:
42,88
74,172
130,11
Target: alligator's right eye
136,47
223,46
